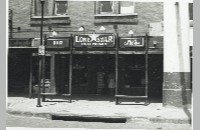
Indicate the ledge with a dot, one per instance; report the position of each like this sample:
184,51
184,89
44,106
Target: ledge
130,19
51,20
51,17
116,15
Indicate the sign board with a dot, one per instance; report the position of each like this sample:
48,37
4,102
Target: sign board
57,43
131,42
94,40
41,50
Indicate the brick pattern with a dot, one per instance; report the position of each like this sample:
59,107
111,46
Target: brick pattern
82,14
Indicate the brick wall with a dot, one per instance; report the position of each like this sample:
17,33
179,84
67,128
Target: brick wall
82,14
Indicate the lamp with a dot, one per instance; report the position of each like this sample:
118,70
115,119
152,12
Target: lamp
131,33
41,58
102,28
81,28
54,33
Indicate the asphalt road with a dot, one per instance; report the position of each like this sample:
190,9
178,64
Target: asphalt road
37,122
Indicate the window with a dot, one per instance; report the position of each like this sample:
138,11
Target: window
191,11
60,7
115,7
106,7
38,8
127,7
51,7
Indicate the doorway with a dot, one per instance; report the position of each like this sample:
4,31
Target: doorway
93,74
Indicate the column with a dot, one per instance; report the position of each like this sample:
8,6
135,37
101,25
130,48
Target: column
176,82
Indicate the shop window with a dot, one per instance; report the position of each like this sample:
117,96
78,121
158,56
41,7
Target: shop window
61,7
127,7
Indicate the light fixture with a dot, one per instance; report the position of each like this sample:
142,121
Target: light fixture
131,32
54,33
81,28
155,43
102,28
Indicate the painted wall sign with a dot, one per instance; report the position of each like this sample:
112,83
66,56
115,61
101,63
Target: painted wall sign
94,40
57,43
131,42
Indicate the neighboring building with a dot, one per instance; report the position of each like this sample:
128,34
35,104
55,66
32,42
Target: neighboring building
94,69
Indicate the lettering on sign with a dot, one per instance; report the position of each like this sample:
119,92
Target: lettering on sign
94,40
57,43
131,42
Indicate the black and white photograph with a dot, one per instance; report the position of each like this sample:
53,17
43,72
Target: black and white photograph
99,64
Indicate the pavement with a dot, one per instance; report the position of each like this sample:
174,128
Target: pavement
97,106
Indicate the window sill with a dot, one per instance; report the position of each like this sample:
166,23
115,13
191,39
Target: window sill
50,17
116,19
115,15
51,20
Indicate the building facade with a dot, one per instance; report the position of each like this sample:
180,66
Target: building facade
110,48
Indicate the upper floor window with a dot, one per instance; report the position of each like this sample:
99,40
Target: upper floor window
106,7
127,7
191,11
60,7
51,7
115,7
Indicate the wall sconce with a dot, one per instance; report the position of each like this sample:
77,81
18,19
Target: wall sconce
54,33
81,29
102,28
131,33
155,43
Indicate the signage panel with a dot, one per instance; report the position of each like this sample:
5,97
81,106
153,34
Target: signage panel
94,40
131,42
57,43
41,50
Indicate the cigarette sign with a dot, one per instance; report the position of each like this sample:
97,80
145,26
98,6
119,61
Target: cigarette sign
131,42
94,40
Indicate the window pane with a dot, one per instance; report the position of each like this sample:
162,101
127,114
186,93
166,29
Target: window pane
61,8
191,11
106,6
127,7
38,8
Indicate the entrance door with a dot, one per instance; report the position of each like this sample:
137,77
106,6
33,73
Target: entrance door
93,74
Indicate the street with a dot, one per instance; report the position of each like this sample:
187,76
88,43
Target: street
37,122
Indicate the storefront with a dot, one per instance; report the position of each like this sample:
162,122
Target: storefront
100,64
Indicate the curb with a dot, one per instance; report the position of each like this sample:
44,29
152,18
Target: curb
49,116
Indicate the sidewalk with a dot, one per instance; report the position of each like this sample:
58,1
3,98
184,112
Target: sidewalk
92,107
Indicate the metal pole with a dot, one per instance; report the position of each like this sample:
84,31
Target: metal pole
70,71
116,69
146,67
30,78
43,71
40,57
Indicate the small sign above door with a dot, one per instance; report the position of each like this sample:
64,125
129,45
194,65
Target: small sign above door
131,42
57,43
94,40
